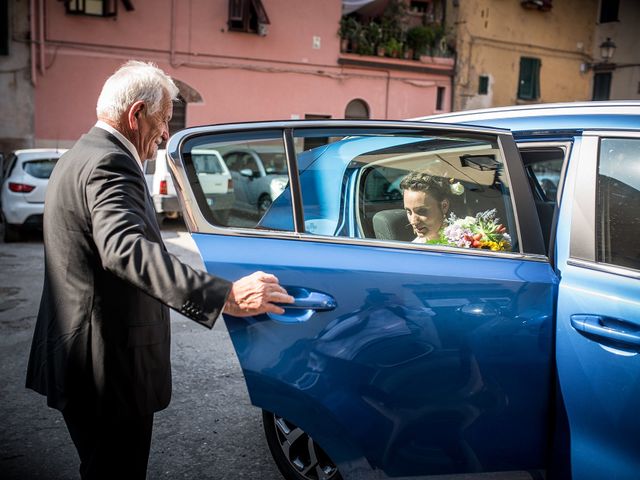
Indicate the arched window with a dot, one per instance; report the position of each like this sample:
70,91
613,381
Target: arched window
357,110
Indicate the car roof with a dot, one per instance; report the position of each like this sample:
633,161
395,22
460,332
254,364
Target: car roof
550,117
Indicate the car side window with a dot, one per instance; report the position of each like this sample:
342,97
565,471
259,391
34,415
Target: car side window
354,186
617,200
229,190
250,164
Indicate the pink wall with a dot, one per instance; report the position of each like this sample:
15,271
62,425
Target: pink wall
240,76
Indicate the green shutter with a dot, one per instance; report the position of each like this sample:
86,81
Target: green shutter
529,82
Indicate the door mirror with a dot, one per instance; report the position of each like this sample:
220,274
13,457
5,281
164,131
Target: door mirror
246,172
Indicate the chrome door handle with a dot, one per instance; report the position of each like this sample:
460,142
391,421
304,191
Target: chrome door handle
614,330
306,300
306,303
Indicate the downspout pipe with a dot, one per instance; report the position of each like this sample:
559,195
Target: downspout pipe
32,35
41,33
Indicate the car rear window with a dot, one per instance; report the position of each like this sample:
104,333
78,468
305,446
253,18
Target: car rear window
41,168
206,163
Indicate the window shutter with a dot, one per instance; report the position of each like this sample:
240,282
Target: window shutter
529,82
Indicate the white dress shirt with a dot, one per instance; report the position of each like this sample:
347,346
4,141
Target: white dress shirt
125,141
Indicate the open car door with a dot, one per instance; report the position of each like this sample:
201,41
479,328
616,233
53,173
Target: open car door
398,358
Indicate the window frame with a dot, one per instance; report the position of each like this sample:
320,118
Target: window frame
582,242
109,8
529,74
528,233
609,11
602,86
243,14
483,85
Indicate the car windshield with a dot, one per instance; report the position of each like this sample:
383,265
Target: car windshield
40,168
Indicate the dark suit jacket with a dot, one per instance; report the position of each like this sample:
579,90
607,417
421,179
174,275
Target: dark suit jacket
102,335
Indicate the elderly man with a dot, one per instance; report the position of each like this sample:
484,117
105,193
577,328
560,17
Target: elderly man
100,350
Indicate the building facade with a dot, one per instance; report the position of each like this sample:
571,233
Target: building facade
521,51
233,60
618,77
16,85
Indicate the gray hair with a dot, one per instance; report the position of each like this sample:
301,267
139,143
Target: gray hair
135,81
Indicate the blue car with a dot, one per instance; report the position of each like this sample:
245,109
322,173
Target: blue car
502,339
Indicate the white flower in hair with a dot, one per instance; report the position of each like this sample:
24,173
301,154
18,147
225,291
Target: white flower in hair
457,188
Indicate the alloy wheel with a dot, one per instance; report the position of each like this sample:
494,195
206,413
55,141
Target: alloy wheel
296,452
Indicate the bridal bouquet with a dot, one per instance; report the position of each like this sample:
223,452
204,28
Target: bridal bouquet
481,231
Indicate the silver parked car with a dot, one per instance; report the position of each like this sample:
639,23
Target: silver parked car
259,177
23,189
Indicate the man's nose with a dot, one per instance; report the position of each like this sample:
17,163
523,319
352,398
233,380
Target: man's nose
165,134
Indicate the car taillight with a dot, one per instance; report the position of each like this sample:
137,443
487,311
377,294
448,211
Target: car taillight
20,187
163,187
229,185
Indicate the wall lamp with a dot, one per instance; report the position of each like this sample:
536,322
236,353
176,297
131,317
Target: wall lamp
607,49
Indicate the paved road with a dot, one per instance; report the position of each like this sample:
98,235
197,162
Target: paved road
210,430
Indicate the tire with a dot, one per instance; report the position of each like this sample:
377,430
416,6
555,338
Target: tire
264,202
12,233
297,455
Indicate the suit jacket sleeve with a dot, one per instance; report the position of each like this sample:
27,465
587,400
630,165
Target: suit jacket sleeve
122,233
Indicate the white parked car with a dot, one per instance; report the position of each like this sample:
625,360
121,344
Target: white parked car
216,182
212,173
24,185
161,188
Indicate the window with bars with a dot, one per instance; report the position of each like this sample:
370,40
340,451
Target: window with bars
248,16
529,80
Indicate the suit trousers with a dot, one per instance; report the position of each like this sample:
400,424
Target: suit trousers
110,445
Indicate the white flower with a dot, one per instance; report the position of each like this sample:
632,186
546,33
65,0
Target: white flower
457,188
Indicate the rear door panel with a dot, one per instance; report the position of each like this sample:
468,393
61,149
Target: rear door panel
598,321
423,362
429,364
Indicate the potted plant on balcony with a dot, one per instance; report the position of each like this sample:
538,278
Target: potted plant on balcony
393,47
375,37
349,32
420,39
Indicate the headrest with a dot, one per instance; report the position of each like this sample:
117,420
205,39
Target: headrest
393,225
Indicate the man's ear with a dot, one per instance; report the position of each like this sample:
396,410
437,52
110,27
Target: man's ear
133,114
445,206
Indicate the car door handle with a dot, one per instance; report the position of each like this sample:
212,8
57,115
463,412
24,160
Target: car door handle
618,331
309,300
306,303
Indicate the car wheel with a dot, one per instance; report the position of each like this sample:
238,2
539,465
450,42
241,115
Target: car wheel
12,233
296,454
264,202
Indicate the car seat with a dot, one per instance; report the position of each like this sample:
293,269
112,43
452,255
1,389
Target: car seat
393,225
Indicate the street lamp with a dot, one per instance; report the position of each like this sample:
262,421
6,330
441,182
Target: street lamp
607,49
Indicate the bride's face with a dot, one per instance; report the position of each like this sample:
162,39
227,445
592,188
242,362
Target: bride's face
425,214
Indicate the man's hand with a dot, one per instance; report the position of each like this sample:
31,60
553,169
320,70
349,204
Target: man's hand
255,294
